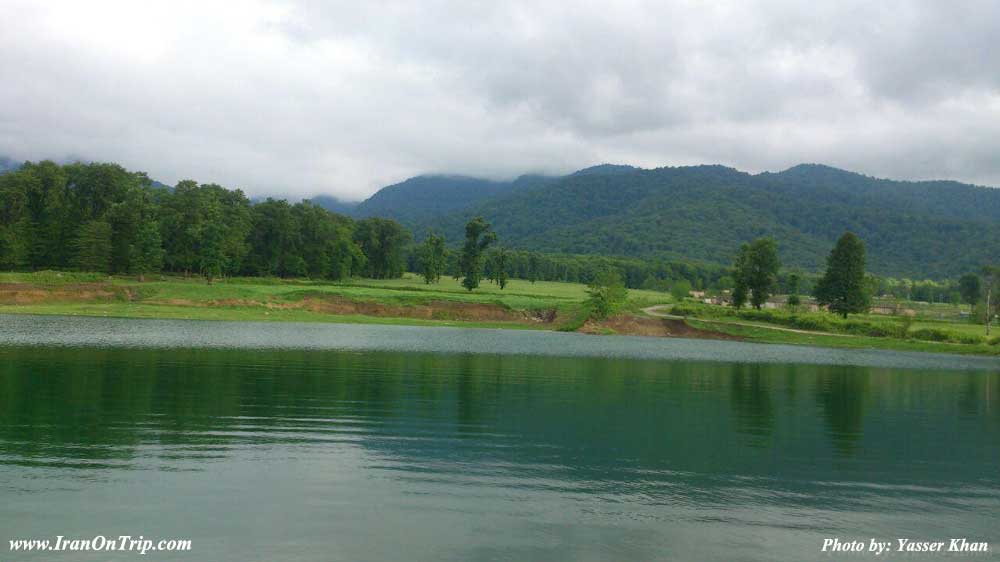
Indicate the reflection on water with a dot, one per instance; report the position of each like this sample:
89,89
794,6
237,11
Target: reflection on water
387,455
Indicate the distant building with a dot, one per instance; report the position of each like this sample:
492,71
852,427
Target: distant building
891,307
781,301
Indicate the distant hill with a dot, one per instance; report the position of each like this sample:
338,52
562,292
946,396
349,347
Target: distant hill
8,165
418,199
916,229
335,205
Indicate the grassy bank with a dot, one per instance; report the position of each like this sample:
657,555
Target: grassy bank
522,305
856,331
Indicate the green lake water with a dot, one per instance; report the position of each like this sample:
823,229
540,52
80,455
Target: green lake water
339,442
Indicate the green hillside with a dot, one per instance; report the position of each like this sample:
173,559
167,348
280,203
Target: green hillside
423,197
914,229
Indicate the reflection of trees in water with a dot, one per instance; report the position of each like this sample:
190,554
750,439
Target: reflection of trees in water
980,396
750,397
841,394
608,414
971,398
88,403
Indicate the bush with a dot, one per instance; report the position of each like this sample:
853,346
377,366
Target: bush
607,294
680,290
685,310
820,322
939,335
971,340
995,340
930,334
862,328
814,323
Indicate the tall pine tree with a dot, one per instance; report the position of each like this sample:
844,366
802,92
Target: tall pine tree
842,288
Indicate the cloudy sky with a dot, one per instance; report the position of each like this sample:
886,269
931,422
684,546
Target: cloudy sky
317,96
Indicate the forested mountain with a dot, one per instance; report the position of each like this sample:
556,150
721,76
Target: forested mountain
423,197
334,205
916,229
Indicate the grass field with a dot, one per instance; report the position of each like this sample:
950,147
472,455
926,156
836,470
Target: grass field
408,300
767,334
391,300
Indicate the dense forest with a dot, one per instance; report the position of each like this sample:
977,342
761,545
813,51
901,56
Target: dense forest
101,217
912,229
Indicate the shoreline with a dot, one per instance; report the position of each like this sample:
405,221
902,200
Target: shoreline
697,329
40,331
407,301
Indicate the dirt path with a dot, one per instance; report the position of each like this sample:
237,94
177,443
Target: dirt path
634,325
653,311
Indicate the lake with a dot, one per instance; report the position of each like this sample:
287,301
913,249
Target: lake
262,441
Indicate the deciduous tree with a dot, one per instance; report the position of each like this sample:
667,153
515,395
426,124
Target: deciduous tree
147,250
970,286
93,247
382,241
478,237
501,267
756,272
433,256
991,280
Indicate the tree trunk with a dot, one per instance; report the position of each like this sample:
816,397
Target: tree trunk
988,316
142,278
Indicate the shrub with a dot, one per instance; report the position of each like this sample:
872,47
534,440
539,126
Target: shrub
862,328
968,339
688,309
607,294
930,334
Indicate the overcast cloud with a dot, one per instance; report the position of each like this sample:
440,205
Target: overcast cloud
303,97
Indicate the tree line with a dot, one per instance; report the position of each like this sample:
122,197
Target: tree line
845,287
101,217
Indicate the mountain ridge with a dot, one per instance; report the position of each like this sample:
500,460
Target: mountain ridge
932,228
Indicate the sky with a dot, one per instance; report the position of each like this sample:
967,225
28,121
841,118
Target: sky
302,97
